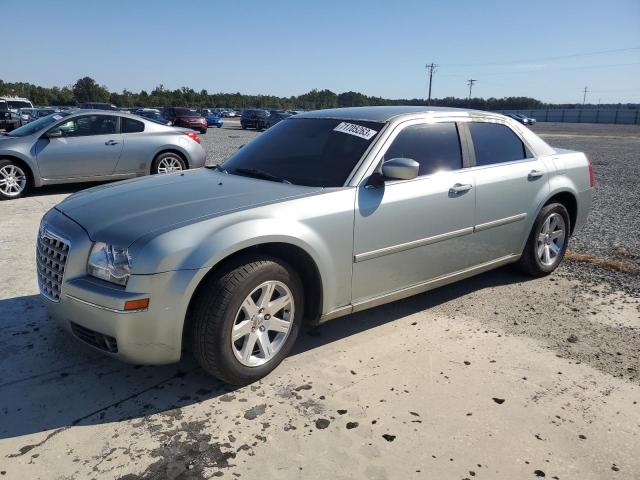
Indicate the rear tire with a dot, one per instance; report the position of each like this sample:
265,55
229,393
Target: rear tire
168,162
14,180
547,242
232,305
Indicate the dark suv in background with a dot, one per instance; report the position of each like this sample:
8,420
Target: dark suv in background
254,118
185,117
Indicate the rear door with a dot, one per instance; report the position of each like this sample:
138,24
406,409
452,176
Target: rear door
510,184
90,146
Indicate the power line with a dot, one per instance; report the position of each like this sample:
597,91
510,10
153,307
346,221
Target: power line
546,69
432,69
470,82
540,59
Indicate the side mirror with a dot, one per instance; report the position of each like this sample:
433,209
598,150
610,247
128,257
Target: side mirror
400,169
55,133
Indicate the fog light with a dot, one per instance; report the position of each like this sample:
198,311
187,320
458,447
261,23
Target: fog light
140,304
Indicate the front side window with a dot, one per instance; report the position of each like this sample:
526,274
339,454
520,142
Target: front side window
316,152
89,125
436,147
131,126
495,143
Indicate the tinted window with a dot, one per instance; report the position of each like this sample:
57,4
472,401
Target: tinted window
132,126
495,143
435,147
89,125
305,151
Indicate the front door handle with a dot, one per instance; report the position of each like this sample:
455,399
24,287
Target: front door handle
533,174
459,188
111,142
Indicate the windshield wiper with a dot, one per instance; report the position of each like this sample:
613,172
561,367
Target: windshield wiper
257,173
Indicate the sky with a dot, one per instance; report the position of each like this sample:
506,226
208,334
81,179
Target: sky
549,50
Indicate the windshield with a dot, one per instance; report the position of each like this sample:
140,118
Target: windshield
19,104
316,152
37,125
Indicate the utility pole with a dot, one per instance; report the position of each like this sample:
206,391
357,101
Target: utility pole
432,69
470,82
584,96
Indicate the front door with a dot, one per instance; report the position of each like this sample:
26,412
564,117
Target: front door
90,146
411,231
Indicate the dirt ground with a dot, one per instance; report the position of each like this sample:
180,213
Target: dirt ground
496,377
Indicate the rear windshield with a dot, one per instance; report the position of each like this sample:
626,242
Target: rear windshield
185,112
315,152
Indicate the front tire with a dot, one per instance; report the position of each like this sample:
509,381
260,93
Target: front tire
14,180
547,242
245,321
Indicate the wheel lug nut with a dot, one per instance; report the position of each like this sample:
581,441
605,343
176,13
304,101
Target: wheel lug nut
261,328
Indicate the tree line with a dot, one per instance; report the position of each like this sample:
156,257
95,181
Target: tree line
88,90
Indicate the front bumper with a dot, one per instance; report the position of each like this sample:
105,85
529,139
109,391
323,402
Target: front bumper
92,310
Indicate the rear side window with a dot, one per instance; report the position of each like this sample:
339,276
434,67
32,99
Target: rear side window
495,143
132,126
435,147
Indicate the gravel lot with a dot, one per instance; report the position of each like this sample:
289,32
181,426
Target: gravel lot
496,377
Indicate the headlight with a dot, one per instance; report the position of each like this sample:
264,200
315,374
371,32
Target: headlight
109,263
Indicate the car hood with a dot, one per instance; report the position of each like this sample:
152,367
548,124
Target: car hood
120,213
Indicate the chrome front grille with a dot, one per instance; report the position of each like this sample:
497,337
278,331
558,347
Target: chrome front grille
51,257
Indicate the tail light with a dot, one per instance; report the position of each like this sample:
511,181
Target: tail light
592,177
193,136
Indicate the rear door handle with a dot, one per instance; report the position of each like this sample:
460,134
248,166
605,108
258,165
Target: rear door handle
533,174
459,188
111,142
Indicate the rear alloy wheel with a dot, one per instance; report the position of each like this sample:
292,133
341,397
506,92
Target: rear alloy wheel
245,321
547,242
168,162
13,180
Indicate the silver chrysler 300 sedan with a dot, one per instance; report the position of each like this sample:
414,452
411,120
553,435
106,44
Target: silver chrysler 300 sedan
328,213
92,146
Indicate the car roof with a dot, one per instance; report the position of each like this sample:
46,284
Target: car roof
382,114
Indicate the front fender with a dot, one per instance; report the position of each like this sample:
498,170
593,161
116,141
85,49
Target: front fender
326,237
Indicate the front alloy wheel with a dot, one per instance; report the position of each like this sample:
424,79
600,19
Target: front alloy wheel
263,323
13,180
